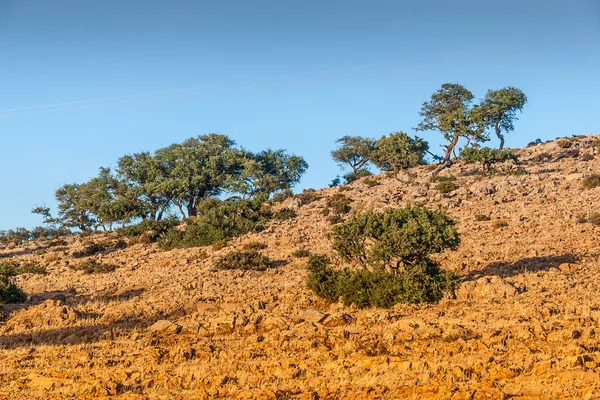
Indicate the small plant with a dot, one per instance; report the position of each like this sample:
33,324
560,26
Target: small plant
535,142
150,230
280,197
370,182
301,253
586,157
591,181
308,196
338,203
499,224
243,260
254,246
13,268
446,187
9,292
482,217
221,244
515,172
486,156
89,250
594,219
285,214
564,143
93,267
58,242
334,219
442,178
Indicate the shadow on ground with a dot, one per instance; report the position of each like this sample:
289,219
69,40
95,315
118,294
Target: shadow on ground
524,265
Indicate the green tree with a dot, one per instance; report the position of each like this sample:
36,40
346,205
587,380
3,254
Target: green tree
72,210
198,168
398,151
450,111
500,108
140,183
355,151
267,172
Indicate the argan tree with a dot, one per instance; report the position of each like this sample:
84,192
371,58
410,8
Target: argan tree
355,152
451,112
398,151
499,108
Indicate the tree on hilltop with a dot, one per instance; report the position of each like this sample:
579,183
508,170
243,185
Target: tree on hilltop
499,108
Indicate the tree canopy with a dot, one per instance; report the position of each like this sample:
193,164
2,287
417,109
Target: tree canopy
500,108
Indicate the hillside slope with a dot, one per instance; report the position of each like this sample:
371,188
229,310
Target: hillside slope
524,323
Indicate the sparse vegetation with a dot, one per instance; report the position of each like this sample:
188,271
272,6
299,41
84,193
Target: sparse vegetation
285,214
9,292
89,250
446,187
482,217
301,253
338,203
254,246
586,157
592,181
564,143
486,156
93,267
243,260
308,196
500,224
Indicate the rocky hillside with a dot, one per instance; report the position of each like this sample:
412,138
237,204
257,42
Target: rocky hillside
165,325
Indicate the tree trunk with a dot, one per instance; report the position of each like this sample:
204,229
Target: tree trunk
500,136
446,163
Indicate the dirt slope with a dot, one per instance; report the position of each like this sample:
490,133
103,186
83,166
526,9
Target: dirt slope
523,325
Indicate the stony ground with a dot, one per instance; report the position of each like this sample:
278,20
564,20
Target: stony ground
523,325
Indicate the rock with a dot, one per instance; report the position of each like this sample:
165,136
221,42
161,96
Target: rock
569,267
165,327
486,289
311,315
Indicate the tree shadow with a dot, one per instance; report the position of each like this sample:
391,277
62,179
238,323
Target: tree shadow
532,264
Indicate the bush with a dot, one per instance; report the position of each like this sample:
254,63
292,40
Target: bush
279,197
338,203
254,246
446,187
393,248
218,220
285,214
399,236
9,292
482,217
243,260
586,157
308,196
353,176
564,143
378,288
442,178
591,181
13,268
499,224
399,151
486,156
301,253
370,182
93,267
89,250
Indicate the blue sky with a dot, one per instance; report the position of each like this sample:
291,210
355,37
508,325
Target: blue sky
270,74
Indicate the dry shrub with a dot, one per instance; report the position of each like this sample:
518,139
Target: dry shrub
243,260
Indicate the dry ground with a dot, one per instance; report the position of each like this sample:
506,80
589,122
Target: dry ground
523,325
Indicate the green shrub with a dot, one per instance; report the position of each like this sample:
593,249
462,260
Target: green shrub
591,181
280,197
254,246
378,288
217,220
353,176
486,156
13,268
308,196
370,182
93,267
499,224
338,203
442,178
399,236
564,143
243,260
482,217
9,292
89,250
221,244
446,187
285,214
301,253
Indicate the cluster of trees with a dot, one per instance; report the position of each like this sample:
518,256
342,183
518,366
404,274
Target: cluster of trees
149,186
451,111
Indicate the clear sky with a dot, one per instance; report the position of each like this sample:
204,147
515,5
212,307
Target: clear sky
270,74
